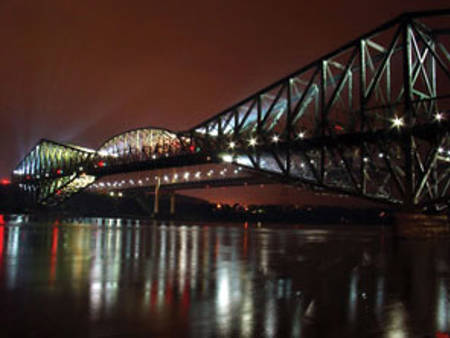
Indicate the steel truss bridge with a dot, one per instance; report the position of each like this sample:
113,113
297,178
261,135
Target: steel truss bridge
370,119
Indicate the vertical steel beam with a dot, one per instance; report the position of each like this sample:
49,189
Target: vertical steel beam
408,110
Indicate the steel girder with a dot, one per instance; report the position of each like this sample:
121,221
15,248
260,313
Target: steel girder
370,119
52,172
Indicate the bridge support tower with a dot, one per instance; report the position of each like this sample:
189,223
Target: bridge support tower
156,200
172,203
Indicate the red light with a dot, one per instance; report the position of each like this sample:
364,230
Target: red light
58,192
59,171
338,127
2,219
192,148
5,181
101,164
28,177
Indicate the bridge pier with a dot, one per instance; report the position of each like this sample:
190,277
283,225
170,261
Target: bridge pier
416,225
172,203
156,200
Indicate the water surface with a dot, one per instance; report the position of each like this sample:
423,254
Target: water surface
131,278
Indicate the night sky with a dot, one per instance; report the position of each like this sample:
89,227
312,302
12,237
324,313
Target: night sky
81,71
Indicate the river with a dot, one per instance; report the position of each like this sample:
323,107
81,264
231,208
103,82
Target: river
97,277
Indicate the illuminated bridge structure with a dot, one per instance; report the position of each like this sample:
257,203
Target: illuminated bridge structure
370,119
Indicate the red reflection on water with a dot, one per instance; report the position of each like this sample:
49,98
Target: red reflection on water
154,294
245,247
2,219
185,300
169,293
55,241
1,240
442,335
54,252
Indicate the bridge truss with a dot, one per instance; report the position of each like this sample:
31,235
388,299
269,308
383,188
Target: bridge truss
370,119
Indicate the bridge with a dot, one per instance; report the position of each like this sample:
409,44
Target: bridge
370,120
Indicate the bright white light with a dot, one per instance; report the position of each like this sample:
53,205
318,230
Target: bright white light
252,142
227,158
166,178
153,156
140,182
80,169
120,194
103,153
439,117
301,134
398,122
175,177
111,194
197,174
275,138
186,175
232,145
440,150
380,155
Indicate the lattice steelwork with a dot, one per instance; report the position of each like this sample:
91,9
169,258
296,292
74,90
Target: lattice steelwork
51,168
370,119
143,144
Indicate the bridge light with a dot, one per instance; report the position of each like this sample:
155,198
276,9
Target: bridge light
166,178
252,142
440,150
80,169
153,157
175,177
140,182
439,117
227,158
275,138
197,174
397,122
301,135
112,194
232,145
120,194
103,153
186,175
380,155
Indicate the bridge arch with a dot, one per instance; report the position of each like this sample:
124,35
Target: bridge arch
144,144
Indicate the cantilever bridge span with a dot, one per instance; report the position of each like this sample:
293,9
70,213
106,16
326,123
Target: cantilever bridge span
370,119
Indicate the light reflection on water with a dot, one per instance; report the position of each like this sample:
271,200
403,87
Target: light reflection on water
101,277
